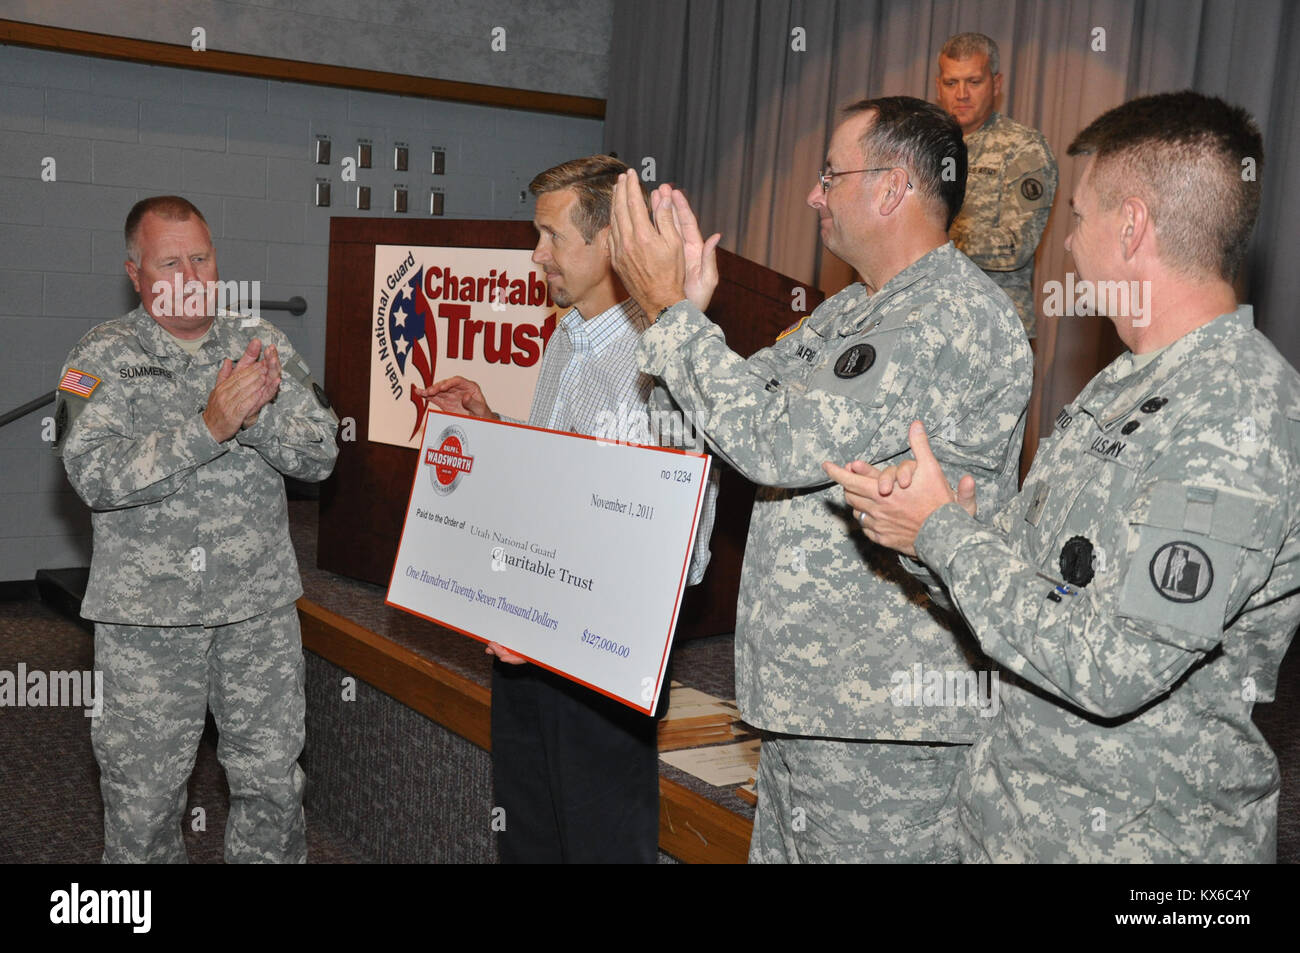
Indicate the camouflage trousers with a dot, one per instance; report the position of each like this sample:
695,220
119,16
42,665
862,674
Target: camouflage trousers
158,684
827,801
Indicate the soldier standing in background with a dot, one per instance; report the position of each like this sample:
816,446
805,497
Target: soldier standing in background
1011,173
1146,583
175,425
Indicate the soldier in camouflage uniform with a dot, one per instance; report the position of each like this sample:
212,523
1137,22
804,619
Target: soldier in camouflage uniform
175,427
854,770
1144,586
1011,172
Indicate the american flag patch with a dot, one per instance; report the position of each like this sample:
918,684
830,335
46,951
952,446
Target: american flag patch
79,382
792,328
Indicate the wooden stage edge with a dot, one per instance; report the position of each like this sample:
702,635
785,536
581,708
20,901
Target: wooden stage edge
691,828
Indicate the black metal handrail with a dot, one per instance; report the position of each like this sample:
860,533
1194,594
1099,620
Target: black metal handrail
295,305
27,408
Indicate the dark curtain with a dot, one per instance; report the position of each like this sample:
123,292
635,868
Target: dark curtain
718,95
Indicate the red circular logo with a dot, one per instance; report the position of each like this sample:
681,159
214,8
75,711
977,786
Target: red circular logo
448,460
452,447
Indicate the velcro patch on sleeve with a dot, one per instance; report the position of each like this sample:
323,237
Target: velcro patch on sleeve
79,383
792,328
1180,579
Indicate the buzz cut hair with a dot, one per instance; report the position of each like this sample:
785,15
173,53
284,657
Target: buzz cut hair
923,139
173,208
593,179
968,44
1187,157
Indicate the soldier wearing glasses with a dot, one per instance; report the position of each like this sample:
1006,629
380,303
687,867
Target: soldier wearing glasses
827,623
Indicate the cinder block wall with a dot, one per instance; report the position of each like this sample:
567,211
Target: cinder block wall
241,149
554,46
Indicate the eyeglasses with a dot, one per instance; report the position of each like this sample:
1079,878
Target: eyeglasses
825,177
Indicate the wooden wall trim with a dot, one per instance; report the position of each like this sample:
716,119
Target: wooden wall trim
154,53
696,831
691,828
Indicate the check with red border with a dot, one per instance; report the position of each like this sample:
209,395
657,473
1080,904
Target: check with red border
568,550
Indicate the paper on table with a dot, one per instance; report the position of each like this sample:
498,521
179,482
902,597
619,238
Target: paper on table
693,703
696,719
720,765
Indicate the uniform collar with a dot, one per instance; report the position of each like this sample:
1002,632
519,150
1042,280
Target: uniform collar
855,295
1119,382
988,124
156,340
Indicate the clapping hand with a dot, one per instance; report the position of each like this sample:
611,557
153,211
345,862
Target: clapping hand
242,389
893,504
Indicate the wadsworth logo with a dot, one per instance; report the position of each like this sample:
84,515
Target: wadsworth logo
36,689
1113,299
448,461
946,688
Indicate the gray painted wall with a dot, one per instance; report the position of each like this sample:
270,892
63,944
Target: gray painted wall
241,150
557,46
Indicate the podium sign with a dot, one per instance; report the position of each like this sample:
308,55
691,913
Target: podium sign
481,313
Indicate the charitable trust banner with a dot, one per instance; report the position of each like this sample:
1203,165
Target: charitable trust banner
482,313
568,550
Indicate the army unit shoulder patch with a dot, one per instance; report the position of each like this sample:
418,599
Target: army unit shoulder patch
1031,189
1181,572
856,360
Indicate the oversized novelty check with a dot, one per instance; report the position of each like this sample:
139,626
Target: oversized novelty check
568,550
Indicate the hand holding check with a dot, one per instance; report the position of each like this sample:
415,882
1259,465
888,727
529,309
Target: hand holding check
457,395
893,504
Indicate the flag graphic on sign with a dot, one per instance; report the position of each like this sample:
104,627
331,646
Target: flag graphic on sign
414,334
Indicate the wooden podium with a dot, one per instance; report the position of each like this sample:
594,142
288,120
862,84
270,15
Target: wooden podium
363,503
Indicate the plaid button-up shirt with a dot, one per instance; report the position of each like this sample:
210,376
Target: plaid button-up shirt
590,384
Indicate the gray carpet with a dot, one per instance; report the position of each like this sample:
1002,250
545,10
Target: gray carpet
50,809
49,784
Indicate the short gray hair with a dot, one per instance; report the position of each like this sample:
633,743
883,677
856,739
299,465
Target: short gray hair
968,44
173,208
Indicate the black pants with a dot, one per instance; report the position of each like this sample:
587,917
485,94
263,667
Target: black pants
577,773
